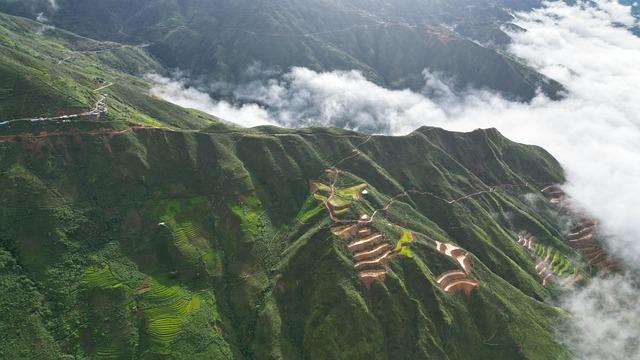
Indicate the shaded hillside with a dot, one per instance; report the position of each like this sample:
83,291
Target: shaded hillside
390,43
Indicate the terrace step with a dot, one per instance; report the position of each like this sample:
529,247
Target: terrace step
587,239
368,254
345,232
380,260
449,276
458,254
365,242
466,286
364,232
581,232
369,276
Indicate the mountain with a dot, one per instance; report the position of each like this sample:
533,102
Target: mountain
133,228
231,42
148,241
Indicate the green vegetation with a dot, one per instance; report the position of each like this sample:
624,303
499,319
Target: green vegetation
559,263
403,244
48,72
165,307
155,243
117,312
168,243
249,211
343,196
310,208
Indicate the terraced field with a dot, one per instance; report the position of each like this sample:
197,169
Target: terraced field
101,277
455,281
370,249
112,332
583,235
123,230
550,264
165,309
162,308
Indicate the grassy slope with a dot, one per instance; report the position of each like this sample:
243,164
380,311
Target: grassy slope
46,72
200,250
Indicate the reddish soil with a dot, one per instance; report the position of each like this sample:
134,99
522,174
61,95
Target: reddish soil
454,281
458,254
542,266
345,232
554,193
583,234
369,276
380,260
368,254
449,276
57,133
367,242
466,286
370,250
364,232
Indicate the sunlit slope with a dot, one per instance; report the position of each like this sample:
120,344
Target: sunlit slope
48,72
144,242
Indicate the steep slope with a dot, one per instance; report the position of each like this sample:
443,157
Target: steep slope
45,72
151,241
391,43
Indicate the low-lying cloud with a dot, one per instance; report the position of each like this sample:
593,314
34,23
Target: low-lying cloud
179,93
605,325
53,4
594,132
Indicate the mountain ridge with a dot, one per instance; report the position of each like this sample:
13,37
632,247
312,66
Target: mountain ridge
263,207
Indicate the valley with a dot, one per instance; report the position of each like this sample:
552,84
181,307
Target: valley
223,41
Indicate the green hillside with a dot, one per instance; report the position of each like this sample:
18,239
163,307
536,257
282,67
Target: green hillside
209,244
49,72
154,232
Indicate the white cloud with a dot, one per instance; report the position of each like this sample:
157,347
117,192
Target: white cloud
341,98
606,321
178,93
41,18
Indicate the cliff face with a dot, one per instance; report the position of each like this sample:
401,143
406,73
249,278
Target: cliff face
141,242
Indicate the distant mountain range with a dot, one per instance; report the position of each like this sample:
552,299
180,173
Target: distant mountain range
226,41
